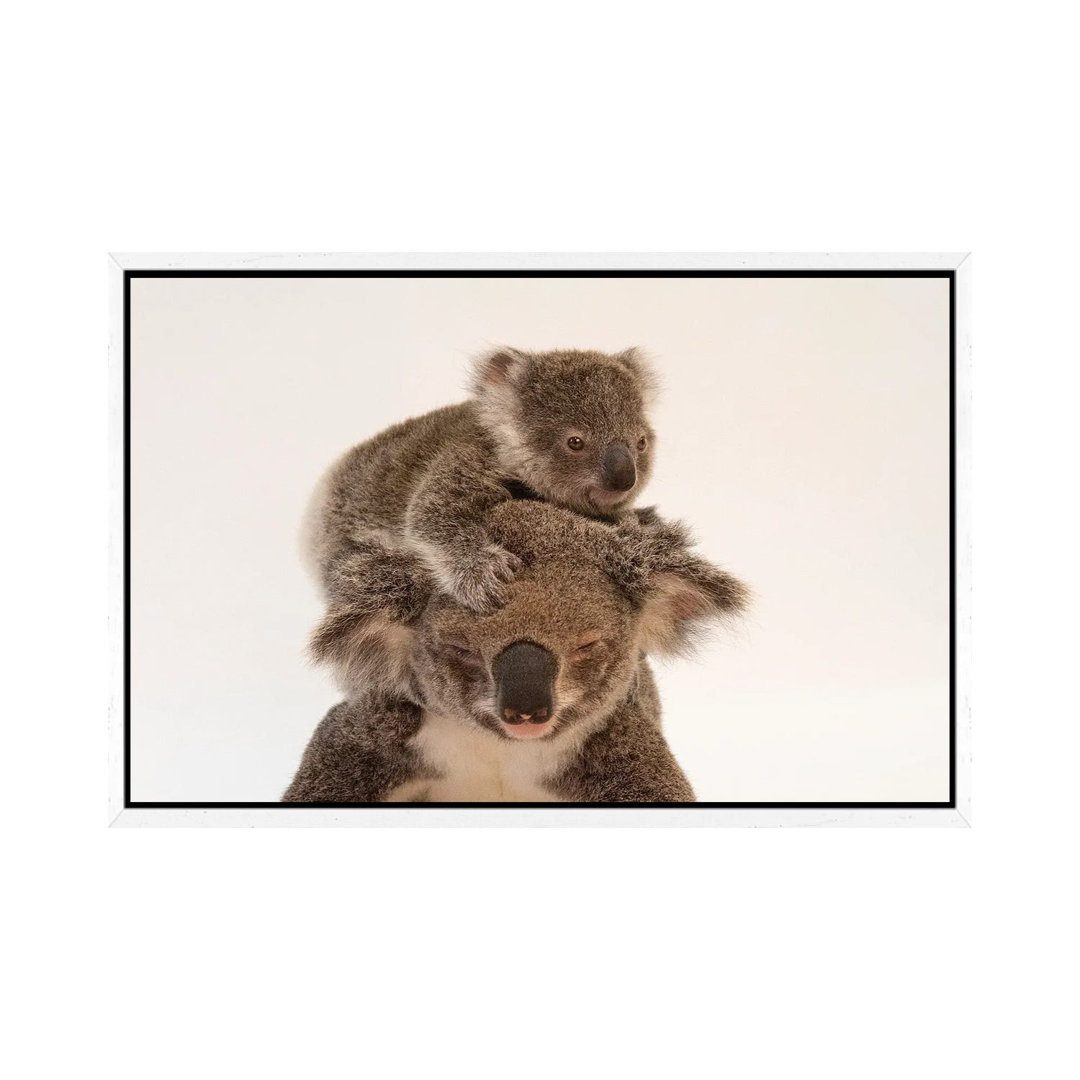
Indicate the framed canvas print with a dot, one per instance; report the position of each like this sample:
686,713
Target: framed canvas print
540,540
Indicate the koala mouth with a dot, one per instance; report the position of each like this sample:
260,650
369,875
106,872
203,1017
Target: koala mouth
606,498
526,726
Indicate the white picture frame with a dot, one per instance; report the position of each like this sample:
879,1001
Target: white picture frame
955,813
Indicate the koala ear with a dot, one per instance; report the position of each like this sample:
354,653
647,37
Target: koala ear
637,363
368,651
679,592
497,368
682,601
376,592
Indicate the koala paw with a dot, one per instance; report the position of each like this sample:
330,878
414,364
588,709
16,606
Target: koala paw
479,583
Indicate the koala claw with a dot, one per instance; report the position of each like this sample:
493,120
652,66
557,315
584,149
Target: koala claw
480,584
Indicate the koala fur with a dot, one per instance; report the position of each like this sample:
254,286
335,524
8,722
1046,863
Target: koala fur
569,426
422,720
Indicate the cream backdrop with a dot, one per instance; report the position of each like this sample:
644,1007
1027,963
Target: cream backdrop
803,432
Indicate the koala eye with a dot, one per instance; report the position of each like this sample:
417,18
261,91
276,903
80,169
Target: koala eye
575,443
463,653
642,443
587,647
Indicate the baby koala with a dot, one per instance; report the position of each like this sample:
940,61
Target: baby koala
567,427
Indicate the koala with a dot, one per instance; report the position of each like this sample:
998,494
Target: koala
549,698
567,427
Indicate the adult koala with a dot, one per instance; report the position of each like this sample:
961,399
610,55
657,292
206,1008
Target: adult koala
548,699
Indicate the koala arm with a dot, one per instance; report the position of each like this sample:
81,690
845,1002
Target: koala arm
359,753
628,760
443,524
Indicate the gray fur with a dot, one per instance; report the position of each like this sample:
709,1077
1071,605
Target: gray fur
404,650
429,482
359,752
627,760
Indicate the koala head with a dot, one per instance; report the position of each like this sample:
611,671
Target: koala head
572,425
591,600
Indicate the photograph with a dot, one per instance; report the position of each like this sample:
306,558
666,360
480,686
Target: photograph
407,537
568,498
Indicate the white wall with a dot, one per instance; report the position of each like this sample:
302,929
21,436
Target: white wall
803,432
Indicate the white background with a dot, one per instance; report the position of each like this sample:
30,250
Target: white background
803,431
834,126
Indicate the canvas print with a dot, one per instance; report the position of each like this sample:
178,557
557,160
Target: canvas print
535,538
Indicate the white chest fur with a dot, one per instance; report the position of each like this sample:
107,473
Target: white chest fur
477,766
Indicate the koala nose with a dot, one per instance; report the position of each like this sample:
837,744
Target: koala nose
524,683
617,468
